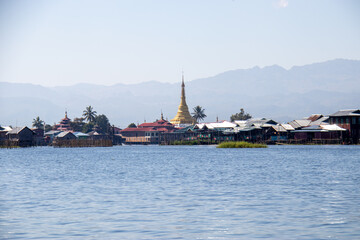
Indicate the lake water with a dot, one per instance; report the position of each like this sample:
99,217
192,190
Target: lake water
180,192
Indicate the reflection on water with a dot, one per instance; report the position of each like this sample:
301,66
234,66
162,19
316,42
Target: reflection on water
180,192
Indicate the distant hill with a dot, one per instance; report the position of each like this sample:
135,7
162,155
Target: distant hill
272,92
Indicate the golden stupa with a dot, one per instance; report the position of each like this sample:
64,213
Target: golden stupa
183,117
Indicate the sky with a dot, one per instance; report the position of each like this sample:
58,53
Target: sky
61,43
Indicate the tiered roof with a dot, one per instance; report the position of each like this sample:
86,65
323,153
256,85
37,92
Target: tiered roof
64,124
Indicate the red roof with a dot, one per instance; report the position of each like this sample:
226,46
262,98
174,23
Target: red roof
158,123
149,129
146,129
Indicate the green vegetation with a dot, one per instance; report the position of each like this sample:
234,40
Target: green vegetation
78,124
132,125
194,142
89,114
241,145
48,127
199,113
99,123
240,116
38,123
102,123
191,142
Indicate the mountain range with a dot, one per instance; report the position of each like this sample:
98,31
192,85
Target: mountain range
271,92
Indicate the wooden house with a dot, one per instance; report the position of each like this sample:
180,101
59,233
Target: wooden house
349,120
65,136
325,133
3,131
21,136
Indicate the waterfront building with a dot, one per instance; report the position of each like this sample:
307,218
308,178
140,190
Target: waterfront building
3,131
183,117
80,135
50,135
279,133
39,136
21,136
324,133
349,120
65,136
147,133
64,124
161,124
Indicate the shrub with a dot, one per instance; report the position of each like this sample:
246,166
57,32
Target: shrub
241,145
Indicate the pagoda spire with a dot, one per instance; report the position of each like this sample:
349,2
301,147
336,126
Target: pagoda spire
183,116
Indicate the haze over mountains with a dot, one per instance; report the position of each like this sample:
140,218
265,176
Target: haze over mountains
271,92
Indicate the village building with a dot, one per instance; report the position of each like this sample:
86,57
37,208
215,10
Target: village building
349,120
115,130
199,134
80,135
3,131
39,136
279,133
64,124
21,136
50,135
147,133
253,129
300,123
65,136
183,117
323,134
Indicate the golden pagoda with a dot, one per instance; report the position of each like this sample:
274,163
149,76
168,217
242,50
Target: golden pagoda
183,117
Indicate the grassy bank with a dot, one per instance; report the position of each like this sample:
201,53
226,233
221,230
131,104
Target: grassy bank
241,145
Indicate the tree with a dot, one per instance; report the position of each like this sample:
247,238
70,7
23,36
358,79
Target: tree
132,125
88,127
103,123
199,113
38,123
77,124
240,116
89,114
48,127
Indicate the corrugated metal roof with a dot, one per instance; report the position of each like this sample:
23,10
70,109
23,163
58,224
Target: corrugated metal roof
261,121
321,128
80,134
63,134
241,123
17,130
322,120
214,125
279,128
287,127
314,117
300,123
332,127
5,129
52,132
346,112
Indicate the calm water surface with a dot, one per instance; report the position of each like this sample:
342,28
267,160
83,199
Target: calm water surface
165,192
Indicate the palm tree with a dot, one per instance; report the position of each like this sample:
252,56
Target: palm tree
89,114
199,113
38,123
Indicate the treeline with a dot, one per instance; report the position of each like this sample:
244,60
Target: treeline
88,122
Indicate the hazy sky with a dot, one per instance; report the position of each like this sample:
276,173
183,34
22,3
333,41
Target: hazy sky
106,42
